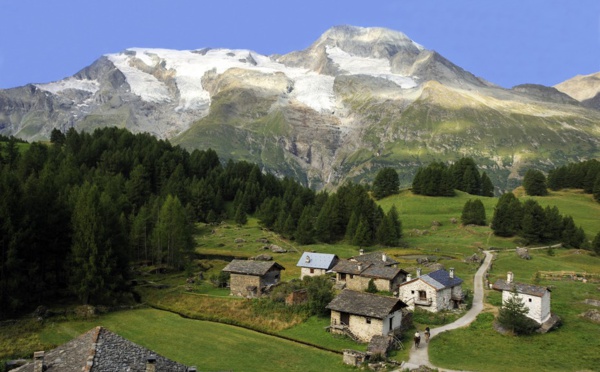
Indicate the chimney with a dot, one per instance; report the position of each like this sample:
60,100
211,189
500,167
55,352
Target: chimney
509,277
408,277
418,272
384,257
361,251
38,361
451,273
151,363
307,259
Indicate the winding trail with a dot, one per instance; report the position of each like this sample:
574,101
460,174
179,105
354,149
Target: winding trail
420,356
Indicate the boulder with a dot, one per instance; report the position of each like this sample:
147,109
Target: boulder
277,249
263,257
523,253
262,240
239,240
592,314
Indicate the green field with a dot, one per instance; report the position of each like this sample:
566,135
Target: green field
209,345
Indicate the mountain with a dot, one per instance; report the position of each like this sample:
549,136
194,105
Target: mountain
584,88
354,101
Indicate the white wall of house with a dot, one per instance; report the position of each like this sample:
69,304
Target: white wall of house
409,294
539,307
306,271
396,322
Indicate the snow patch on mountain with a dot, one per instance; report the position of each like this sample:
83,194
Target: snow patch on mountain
91,86
310,88
143,84
377,67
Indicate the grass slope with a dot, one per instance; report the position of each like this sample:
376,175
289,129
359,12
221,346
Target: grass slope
208,346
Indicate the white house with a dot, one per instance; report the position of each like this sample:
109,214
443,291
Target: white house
536,298
313,264
436,291
363,315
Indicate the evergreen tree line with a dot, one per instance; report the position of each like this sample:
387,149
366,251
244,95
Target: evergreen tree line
439,179
535,224
75,213
584,175
350,213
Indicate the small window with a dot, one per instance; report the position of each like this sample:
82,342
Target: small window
312,271
412,292
530,300
351,276
368,320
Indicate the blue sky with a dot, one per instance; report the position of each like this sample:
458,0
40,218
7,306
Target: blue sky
507,42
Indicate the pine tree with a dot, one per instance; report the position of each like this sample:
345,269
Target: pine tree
352,225
386,183
487,187
371,287
240,216
513,315
363,236
507,215
305,231
552,230
473,213
596,244
533,222
172,235
597,189
534,183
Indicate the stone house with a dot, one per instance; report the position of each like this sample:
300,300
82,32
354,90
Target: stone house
363,315
436,291
100,350
356,275
251,278
314,264
536,298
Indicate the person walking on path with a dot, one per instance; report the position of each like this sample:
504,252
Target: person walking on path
417,339
420,356
427,334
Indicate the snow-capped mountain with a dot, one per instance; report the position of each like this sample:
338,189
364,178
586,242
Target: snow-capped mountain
355,100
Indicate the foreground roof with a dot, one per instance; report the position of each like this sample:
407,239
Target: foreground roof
365,304
317,260
100,350
438,279
529,289
249,267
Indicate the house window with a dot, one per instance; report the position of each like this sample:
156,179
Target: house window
368,320
343,277
312,271
351,276
422,295
530,300
412,292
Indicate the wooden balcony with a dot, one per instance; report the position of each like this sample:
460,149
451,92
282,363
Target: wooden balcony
423,301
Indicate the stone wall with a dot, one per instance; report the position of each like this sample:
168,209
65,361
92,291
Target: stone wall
354,282
410,292
239,284
443,300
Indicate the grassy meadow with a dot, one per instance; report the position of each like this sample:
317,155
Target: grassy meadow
211,341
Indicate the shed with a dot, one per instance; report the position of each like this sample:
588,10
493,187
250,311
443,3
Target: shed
536,298
251,278
313,264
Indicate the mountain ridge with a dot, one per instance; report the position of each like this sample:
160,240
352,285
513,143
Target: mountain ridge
357,99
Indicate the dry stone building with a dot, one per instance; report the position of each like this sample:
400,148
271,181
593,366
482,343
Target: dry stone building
251,278
363,315
356,275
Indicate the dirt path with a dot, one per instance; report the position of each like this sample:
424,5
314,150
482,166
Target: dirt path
420,356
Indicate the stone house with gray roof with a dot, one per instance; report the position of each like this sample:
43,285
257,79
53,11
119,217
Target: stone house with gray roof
363,315
535,298
252,278
314,264
100,350
375,258
436,291
356,275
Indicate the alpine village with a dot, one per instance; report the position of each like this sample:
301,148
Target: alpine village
363,204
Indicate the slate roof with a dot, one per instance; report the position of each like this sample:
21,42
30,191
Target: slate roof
382,272
438,279
250,267
323,261
529,289
100,350
365,304
350,267
375,258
